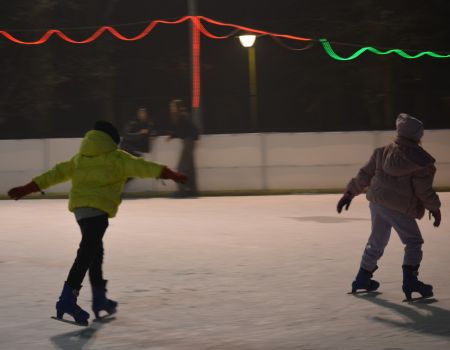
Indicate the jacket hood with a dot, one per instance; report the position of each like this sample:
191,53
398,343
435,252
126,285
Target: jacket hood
96,143
404,157
409,127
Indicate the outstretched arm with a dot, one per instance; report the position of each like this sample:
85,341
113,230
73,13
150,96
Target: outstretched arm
358,184
423,188
60,173
21,191
173,175
139,167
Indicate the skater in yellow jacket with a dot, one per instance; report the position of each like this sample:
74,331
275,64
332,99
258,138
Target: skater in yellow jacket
98,173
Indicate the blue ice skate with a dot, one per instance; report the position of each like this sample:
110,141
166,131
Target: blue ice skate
412,284
364,281
100,302
67,304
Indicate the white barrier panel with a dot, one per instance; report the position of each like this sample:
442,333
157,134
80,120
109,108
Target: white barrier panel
214,151
437,143
21,155
314,149
242,178
273,161
310,177
59,150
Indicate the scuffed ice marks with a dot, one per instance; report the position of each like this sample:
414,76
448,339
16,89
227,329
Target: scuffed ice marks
224,273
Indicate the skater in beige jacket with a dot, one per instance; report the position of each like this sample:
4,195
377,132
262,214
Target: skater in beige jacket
399,181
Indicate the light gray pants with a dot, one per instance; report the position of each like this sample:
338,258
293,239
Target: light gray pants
383,220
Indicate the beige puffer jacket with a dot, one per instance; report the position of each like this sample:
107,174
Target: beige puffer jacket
399,176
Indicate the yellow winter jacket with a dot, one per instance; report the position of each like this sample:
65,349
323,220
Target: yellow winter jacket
98,173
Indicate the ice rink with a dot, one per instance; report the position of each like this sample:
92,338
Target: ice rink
249,273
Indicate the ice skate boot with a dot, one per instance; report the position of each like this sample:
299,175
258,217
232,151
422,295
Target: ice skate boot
100,302
412,284
363,281
67,304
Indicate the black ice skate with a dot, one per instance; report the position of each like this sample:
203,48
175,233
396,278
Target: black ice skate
412,284
363,282
67,304
101,303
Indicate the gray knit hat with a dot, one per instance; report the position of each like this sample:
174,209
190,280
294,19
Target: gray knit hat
409,127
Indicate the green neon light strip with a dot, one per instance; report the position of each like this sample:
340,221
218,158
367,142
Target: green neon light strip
329,50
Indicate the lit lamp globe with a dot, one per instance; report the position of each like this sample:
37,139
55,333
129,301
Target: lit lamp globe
247,40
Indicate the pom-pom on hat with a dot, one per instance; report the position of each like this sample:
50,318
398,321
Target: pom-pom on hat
108,128
409,127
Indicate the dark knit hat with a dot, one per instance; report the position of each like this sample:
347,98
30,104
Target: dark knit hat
409,127
109,129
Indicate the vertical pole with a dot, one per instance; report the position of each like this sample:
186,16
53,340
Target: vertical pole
194,36
253,90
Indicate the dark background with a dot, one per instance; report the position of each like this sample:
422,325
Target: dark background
59,89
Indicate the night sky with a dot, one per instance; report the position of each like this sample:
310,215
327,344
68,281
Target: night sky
58,89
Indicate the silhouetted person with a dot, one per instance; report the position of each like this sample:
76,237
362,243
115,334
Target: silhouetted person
137,134
185,129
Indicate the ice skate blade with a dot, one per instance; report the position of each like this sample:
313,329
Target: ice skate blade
71,322
365,292
98,317
422,300
104,319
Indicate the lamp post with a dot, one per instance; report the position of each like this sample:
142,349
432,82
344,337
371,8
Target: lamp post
248,41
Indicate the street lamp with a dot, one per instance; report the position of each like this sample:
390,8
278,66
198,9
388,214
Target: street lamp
248,41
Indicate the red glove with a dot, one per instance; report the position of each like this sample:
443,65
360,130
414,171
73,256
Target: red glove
436,214
345,201
19,192
173,175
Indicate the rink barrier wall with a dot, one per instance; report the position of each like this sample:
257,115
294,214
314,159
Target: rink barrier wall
237,162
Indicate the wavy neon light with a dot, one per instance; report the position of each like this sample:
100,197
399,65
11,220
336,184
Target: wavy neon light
250,30
329,50
99,32
200,28
196,20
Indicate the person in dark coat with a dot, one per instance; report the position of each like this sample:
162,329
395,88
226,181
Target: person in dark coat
185,129
137,134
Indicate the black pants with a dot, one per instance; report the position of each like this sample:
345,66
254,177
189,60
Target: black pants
90,253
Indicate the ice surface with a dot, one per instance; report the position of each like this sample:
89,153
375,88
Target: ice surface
220,273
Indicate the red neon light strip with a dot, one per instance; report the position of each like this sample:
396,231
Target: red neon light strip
207,33
196,20
247,29
94,36
196,63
